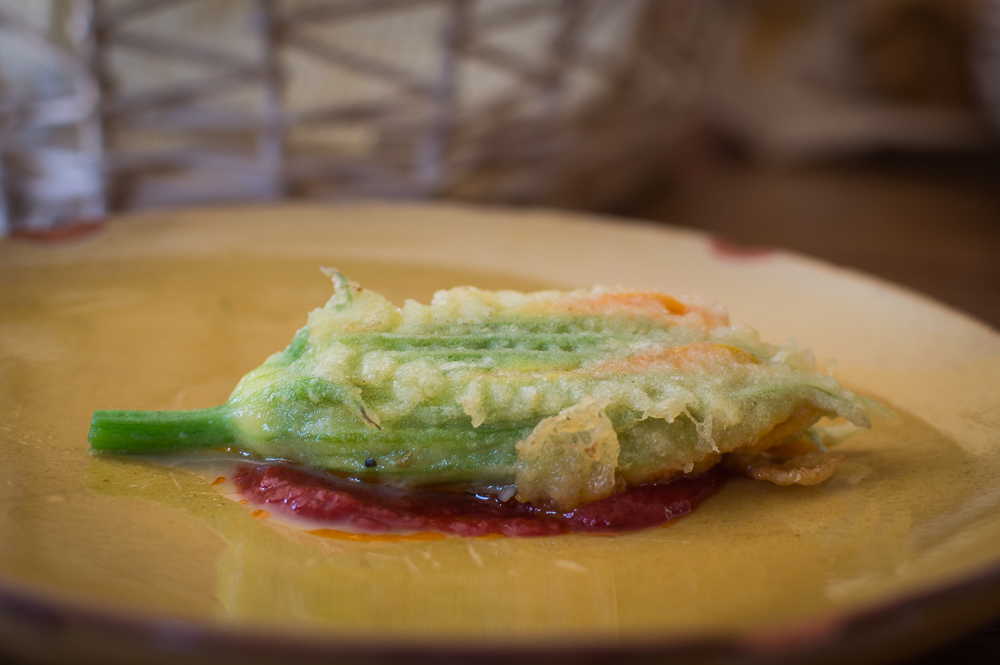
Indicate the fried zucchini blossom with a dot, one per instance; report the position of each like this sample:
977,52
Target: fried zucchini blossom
555,398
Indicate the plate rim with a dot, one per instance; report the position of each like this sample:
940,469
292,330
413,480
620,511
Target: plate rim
867,635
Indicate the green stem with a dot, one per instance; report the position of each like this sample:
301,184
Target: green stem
160,431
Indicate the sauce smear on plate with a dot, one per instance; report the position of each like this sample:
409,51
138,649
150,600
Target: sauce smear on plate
374,508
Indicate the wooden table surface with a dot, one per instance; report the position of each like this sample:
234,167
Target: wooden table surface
929,223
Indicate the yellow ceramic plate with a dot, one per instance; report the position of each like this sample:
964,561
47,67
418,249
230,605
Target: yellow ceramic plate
120,557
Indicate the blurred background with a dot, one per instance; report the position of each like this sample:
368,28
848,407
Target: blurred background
861,131
864,132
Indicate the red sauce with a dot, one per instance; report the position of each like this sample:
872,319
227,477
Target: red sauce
375,509
729,249
63,232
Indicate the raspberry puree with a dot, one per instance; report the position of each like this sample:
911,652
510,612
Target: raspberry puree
377,509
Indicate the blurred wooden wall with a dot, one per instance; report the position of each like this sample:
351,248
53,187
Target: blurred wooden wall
557,102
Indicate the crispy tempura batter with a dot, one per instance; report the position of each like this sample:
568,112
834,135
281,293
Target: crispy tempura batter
569,458
805,469
554,397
